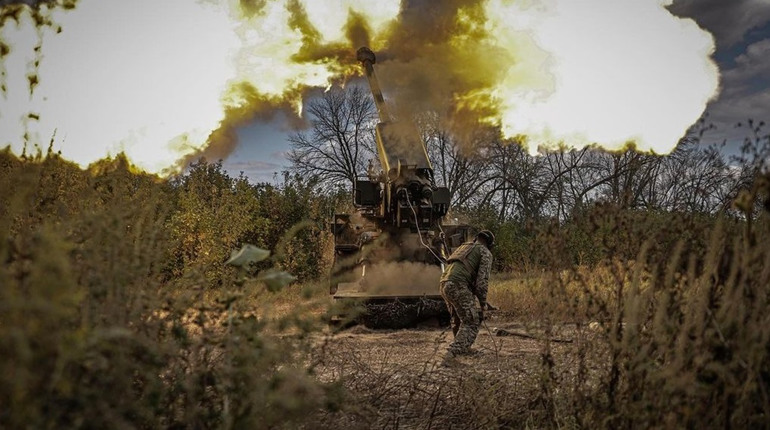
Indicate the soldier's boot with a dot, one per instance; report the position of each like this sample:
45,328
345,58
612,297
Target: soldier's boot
471,352
450,360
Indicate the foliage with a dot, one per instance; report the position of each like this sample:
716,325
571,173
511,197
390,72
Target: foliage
117,311
683,339
216,213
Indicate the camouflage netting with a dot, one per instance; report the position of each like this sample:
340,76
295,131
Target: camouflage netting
398,314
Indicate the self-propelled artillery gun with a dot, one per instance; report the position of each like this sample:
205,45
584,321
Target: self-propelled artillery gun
389,253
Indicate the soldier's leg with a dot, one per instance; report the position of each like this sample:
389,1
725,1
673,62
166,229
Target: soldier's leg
456,322
463,302
454,318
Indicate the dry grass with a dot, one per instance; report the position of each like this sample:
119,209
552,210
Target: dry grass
115,314
622,345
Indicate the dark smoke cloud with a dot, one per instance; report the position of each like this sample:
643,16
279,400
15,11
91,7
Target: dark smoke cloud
427,70
420,67
252,7
728,20
38,3
10,9
357,30
436,56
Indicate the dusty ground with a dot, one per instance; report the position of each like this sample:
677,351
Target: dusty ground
399,383
503,345
423,344
393,378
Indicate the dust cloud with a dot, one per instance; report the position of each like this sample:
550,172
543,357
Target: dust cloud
406,277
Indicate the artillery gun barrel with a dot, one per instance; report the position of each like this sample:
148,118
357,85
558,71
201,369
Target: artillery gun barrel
367,59
399,143
397,228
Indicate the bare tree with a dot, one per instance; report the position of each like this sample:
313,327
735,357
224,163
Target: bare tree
576,177
340,139
527,187
488,172
461,170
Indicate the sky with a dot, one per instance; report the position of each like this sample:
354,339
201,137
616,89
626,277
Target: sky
261,154
167,81
741,29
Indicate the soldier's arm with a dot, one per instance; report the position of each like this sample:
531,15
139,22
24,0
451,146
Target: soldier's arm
482,280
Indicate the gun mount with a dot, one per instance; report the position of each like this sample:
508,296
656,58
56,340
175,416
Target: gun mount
397,230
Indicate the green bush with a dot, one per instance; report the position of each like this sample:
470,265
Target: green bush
117,310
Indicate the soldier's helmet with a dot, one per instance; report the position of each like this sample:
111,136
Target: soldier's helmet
488,237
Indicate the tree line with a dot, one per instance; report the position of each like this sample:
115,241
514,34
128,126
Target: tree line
482,169
496,183
200,216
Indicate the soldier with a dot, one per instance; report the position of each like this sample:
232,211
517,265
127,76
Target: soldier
467,276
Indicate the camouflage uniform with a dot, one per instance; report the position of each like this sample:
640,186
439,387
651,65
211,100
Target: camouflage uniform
461,281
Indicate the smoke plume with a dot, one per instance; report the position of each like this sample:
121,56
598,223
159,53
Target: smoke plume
555,73
166,82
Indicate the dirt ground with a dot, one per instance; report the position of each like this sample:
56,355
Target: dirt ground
503,344
397,379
